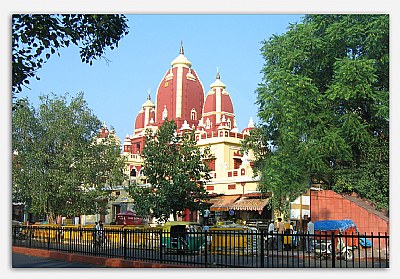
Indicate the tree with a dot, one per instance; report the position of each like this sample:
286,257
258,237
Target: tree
60,166
174,167
35,38
324,107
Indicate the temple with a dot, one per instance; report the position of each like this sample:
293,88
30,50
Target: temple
181,96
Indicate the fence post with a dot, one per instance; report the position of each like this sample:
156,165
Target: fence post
124,242
333,251
48,239
206,249
30,236
70,240
373,248
262,247
161,246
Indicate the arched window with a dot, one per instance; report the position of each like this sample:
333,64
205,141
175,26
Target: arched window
193,114
133,172
208,123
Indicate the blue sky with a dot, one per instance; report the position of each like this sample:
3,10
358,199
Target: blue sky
116,91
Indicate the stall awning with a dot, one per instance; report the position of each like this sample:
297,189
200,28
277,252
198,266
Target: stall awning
249,204
222,203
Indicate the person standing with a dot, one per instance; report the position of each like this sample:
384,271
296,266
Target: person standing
94,233
271,226
206,215
206,229
101,234
270,238
281,229
293,233
310,236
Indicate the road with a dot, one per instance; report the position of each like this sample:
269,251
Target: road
27,261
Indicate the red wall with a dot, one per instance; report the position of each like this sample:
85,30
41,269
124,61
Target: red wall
328,205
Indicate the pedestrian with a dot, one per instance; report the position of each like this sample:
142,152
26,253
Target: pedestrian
206,215
281,229
206,229
80,231
270,238
100,238
60,234
95,226
310,236
271,226
94,232
293,233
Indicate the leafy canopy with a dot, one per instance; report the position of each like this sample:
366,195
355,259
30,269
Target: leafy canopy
324,108
36,37
174,167
59,166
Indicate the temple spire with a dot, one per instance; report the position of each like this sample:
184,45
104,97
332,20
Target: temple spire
148,95
181,49
218,75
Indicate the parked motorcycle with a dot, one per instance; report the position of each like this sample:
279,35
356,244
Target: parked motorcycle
323,249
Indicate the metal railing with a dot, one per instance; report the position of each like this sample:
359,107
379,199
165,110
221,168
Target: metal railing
214,248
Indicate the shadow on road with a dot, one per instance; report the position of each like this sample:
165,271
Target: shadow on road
27,261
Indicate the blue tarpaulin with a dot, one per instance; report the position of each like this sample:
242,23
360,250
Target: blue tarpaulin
365,242
331,225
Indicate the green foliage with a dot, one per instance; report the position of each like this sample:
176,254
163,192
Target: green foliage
58,166
369,179
174,167
324,106
145,199
36,37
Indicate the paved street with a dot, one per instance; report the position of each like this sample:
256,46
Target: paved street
26,261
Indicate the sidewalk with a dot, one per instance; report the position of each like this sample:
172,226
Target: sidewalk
90,261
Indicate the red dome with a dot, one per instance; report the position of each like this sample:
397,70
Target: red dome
180,94
218,99
146,114
209,104
218,107
139,123
226,103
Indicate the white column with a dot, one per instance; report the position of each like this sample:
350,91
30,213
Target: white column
178,112
218,106
146,116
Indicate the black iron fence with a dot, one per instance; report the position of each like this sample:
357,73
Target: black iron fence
214,248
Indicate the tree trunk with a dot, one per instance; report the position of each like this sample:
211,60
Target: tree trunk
50,218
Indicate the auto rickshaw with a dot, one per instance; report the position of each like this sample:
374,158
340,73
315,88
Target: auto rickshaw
181,236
